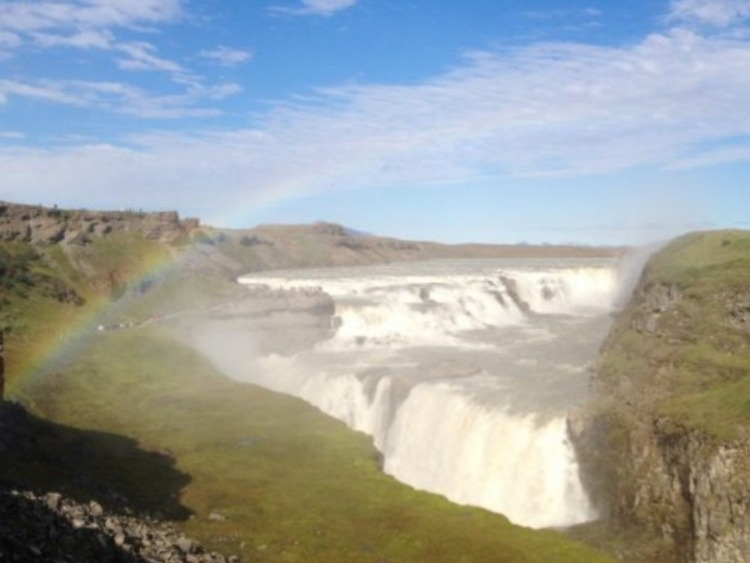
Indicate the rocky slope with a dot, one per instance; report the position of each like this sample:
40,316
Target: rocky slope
39,225
664,440
205,249
51,526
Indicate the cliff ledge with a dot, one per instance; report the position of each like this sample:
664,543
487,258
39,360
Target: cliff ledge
663,441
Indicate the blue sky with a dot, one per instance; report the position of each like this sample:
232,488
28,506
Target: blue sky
537,120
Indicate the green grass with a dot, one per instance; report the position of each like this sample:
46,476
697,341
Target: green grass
721,410
294,484
697,365
704,258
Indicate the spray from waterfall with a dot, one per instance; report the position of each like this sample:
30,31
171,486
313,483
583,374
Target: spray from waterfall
462,372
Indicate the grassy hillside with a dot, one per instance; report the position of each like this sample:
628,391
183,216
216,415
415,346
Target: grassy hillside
132,418
684,343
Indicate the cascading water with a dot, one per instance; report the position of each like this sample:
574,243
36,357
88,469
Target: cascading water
462,372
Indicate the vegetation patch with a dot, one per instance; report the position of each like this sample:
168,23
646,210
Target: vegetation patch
692,355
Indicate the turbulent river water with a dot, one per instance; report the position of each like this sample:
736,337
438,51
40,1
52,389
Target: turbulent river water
463,372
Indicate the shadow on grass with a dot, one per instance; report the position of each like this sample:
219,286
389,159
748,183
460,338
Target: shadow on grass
42,456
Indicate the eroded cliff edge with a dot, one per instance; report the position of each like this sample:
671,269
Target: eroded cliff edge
664,441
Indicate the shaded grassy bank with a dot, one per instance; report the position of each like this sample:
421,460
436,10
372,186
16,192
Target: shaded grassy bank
294,485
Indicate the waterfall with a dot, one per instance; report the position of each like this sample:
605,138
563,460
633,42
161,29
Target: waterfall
492,433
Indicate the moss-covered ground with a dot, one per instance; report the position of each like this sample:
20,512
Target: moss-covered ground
695,361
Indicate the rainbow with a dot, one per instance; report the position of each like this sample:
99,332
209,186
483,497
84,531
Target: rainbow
65,338
68,338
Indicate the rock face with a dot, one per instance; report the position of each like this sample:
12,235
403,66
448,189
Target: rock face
41,226
51,527
663,441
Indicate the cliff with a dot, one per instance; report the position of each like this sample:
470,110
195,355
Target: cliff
42,226
231,252
663,441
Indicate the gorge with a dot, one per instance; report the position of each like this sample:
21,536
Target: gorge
467,374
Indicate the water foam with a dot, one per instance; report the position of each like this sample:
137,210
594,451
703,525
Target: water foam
521,466
399,310
449,434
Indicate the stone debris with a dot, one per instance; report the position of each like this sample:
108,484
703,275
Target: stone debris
51,528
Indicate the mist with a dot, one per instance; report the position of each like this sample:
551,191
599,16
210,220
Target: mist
461,371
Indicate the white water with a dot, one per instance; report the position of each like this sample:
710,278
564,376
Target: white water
463,373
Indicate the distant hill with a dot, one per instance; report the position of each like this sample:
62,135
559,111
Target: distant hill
201,248
269,247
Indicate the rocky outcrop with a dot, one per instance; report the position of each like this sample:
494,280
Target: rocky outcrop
44,226
51,527
46,516
663,441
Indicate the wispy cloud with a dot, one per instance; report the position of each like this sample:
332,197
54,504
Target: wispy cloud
44,90
675,99
227,56
9,39
117,97
141,56
98,25
89,24
562,13
719,13
84,39
26,17
316,7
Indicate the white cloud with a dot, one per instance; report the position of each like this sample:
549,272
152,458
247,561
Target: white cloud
120,98
47,91
89,24
562,13
141,57
24,17
227,56
9,39
318,7
86,39
675,99
94,24
719,13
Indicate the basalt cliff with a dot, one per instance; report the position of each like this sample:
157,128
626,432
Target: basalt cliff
43,226
664,441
